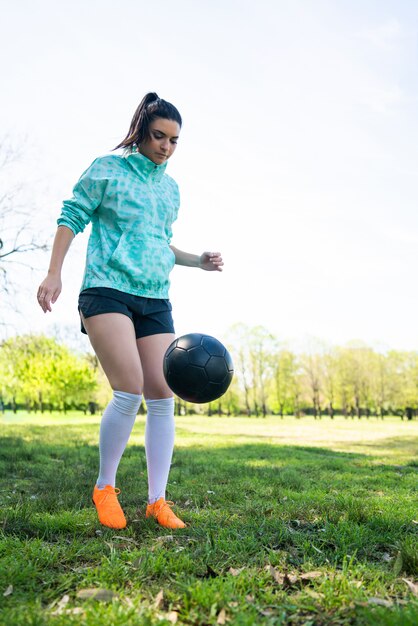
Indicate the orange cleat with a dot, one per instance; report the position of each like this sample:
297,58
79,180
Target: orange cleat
108,508
162,512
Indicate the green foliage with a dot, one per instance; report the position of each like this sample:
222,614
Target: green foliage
354,380
38,371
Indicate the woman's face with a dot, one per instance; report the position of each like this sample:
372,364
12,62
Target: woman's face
162,141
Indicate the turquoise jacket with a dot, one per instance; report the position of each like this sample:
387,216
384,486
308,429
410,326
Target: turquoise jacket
131,204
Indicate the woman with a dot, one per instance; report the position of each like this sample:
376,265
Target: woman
123,304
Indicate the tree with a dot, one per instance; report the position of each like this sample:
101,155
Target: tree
38,371
240,354
18,238
283,382
260,344
330,379
312,368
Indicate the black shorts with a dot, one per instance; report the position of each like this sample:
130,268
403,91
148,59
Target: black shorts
150,316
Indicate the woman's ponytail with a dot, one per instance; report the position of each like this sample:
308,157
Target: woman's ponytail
150,108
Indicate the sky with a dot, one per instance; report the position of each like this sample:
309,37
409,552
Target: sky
297,157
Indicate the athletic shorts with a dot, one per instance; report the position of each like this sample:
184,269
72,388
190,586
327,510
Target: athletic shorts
150,316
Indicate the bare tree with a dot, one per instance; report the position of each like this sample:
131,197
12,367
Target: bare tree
19,240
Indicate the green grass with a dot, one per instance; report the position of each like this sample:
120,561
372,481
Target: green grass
266,501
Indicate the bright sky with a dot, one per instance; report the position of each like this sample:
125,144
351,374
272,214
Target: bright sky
297,159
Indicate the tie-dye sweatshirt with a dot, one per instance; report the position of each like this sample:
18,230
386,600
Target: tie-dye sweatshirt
131,204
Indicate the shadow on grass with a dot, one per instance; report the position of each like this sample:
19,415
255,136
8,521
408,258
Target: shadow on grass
41,471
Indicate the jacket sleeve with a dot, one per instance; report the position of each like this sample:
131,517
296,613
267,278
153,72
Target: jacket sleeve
87,195
176,207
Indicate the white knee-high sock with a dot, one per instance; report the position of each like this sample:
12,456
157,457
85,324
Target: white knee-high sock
116,426
159,444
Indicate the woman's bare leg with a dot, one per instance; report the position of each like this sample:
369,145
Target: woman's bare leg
151,351
113,339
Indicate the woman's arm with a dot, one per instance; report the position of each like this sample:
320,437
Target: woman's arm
209,261
51,286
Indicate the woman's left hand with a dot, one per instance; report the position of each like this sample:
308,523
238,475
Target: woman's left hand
211,261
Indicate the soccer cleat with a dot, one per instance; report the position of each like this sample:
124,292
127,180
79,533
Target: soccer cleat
108,508
162,512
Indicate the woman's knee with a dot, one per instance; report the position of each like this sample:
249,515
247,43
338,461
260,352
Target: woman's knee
126,388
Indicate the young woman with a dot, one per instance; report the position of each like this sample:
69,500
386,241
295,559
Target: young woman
123,304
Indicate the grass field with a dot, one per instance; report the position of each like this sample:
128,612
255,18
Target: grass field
297,522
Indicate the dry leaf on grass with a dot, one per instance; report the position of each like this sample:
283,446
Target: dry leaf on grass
221,617
8,591
289,580
235,571
102,595
380,602
159,599
307,576
356,583
164,538
413,587
172,617
61,605
77,610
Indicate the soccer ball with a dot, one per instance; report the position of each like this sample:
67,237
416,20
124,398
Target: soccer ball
198,368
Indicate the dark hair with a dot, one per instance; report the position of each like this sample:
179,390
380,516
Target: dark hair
150,108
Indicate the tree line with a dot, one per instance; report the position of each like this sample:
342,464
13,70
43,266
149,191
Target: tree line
353,380
39,373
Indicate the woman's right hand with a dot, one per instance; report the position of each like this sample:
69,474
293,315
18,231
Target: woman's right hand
48,291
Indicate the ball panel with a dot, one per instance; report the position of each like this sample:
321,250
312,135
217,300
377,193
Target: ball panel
216,369
198,356
189,341
177,359
187,382
212,392
213,346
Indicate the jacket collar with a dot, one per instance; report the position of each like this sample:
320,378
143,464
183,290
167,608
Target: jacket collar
143,166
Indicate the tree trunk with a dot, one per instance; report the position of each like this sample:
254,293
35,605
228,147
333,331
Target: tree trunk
41,402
